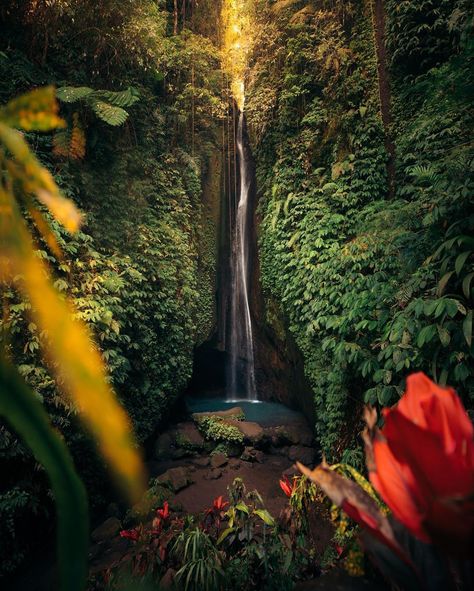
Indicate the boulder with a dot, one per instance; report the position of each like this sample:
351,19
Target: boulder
293,434
219,460
230,413
213,474
202,462
251,454
302,454
186,435
253,432
175,478
234,464
106,530
164,447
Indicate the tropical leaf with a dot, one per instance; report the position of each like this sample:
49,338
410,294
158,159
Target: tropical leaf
73,94
70,142
22,409
70,350
37,180
124,98
109,113
34,111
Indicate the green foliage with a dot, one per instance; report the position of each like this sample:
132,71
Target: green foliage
201,560
371,288
218,429
107,105
133,271
26,415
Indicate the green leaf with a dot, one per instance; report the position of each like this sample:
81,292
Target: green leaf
224,535
73,94
467,328
444,335
466,284
461,259
26,415
443,282
426,334
265,517
242,507
109,113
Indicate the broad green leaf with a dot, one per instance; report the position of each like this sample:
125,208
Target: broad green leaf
443,282
20,407
460,261
444,335
467,328
224,535
466,284
265,516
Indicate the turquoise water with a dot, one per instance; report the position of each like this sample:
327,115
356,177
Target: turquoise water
266,413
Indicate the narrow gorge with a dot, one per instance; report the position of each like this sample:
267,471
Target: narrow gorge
235,236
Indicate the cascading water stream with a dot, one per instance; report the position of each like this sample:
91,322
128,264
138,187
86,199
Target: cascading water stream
242,364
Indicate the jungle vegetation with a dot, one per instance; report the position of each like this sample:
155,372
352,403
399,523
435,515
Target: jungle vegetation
360,117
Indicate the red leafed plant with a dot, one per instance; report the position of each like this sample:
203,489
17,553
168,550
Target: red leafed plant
287,486
214,515
162,516
421,462
130,534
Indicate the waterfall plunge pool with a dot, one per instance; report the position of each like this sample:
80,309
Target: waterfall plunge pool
267,414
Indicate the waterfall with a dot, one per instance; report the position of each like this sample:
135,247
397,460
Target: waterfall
242,366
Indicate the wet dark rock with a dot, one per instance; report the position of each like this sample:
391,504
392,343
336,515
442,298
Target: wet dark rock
106,530
176,478
300,453
187,436
164,447
219,460
202,462
253,432
213,474
250,454
234,464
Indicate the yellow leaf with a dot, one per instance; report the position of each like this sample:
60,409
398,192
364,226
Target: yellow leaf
70,351
34,111
37,180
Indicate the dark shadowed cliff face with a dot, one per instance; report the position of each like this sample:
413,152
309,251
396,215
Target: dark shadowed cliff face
279,370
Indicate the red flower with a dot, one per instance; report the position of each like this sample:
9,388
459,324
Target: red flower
165,512
130,534
287,486
219,504
161,516
424,463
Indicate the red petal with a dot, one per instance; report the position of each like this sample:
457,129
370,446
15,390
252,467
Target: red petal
396,484
437,474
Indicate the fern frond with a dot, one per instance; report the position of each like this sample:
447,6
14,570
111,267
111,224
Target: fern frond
124,98
72,94
71,142
109,113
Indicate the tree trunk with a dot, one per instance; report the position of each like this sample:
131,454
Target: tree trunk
175,18
378,20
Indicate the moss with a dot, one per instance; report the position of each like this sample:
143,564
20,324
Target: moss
217,429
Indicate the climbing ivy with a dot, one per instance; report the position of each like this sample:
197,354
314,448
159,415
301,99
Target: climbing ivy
372,287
